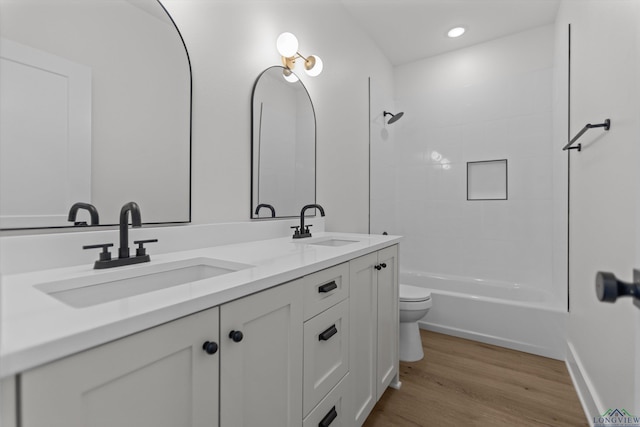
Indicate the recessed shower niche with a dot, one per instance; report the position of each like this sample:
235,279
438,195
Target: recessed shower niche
487,180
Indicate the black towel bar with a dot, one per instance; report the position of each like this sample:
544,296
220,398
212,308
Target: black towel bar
606,125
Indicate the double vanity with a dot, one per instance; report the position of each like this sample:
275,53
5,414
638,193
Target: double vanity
275,332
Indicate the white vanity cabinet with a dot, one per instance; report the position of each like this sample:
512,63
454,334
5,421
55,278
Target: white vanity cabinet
158,377
261,369
374,317
316,351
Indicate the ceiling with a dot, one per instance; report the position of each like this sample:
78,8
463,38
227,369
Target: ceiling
409,30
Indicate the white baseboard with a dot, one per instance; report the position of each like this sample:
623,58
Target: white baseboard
494,340
582,384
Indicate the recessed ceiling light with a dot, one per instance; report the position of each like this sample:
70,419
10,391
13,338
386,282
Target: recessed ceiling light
456,32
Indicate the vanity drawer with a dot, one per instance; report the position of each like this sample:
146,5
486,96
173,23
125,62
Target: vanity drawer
324,289
333,410
326,343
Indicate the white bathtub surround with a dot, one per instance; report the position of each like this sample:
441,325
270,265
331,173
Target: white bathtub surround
488,102
506,314
37,328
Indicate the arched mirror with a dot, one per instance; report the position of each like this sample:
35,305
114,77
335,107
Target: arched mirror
96,109
283,172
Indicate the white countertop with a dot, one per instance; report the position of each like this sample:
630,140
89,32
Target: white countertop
36,328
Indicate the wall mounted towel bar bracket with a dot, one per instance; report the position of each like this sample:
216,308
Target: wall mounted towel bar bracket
606,125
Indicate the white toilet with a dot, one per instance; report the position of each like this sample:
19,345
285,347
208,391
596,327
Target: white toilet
415,302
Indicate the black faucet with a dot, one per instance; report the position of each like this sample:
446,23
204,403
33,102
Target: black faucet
268,206
304,230
105,260
136,221
73,212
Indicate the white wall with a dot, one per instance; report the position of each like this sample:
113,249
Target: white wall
230,43
383,164
490,101
604,196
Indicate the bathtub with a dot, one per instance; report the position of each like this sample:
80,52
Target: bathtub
505,314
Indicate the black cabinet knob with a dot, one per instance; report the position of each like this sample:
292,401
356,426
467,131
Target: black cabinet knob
609,288
377,267
383,265
210,347
236,336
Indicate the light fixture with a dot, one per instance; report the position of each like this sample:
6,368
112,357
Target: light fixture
287,45
456,32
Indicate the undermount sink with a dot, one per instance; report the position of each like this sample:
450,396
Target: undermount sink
333,242
118,284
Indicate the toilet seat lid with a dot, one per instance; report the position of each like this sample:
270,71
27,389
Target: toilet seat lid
414,293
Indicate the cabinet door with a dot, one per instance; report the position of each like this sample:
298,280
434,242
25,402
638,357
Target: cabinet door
261,374
363,307
158,377
388,318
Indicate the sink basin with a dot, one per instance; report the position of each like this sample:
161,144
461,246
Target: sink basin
117,284
333,242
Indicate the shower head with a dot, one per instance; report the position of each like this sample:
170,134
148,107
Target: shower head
394,117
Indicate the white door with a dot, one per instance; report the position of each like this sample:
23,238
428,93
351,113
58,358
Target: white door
603,338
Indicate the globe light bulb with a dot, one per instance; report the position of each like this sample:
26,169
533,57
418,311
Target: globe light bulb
287,45
313,65
289,76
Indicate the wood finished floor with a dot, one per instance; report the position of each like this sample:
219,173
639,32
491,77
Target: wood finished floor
467,383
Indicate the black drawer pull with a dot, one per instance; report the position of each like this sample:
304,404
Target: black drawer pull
328,333
328,419
327,287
